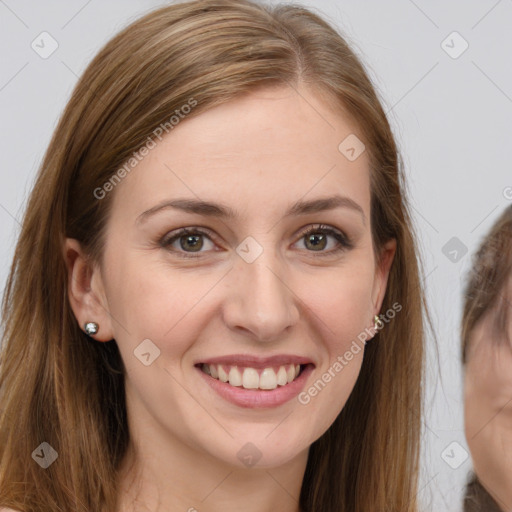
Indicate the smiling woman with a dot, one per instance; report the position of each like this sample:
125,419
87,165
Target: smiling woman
161,336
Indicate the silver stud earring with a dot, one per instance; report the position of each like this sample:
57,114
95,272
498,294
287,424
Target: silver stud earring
91,328
377,321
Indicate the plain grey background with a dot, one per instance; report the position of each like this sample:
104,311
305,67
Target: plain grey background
443,72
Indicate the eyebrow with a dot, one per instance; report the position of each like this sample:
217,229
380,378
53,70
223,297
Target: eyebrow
221,211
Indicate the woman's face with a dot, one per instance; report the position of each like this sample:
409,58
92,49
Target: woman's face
245,284
488,409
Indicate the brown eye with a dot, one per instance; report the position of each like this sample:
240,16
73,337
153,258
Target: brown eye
191,240
316,239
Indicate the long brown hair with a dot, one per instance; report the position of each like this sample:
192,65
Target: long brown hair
58,387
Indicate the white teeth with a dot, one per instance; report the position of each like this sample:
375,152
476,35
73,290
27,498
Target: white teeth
282,376
249,378
235,377
268,379
223,376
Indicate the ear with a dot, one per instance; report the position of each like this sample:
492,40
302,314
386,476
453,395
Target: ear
86,291
382,269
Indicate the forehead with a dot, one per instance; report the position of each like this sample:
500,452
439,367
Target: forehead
277,143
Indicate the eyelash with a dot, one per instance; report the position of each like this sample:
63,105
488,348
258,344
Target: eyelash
344,241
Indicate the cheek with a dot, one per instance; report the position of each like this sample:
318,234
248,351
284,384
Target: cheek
341,302
339,311
152,302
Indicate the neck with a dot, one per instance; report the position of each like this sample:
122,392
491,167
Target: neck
160,472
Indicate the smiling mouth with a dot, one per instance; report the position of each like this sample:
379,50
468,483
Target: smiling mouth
251,378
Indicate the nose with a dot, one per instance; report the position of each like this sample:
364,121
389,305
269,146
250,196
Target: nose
260,299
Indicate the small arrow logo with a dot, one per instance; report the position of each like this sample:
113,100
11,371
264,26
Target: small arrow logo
454,45
44,45
45,455
249,249
146,352
249,455
454,249
351,147
454,455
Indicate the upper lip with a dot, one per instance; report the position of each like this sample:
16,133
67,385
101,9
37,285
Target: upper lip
256,361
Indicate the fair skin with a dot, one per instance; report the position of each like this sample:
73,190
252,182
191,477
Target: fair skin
488,409
258,155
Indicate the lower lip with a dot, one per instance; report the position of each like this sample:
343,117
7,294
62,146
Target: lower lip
256,398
